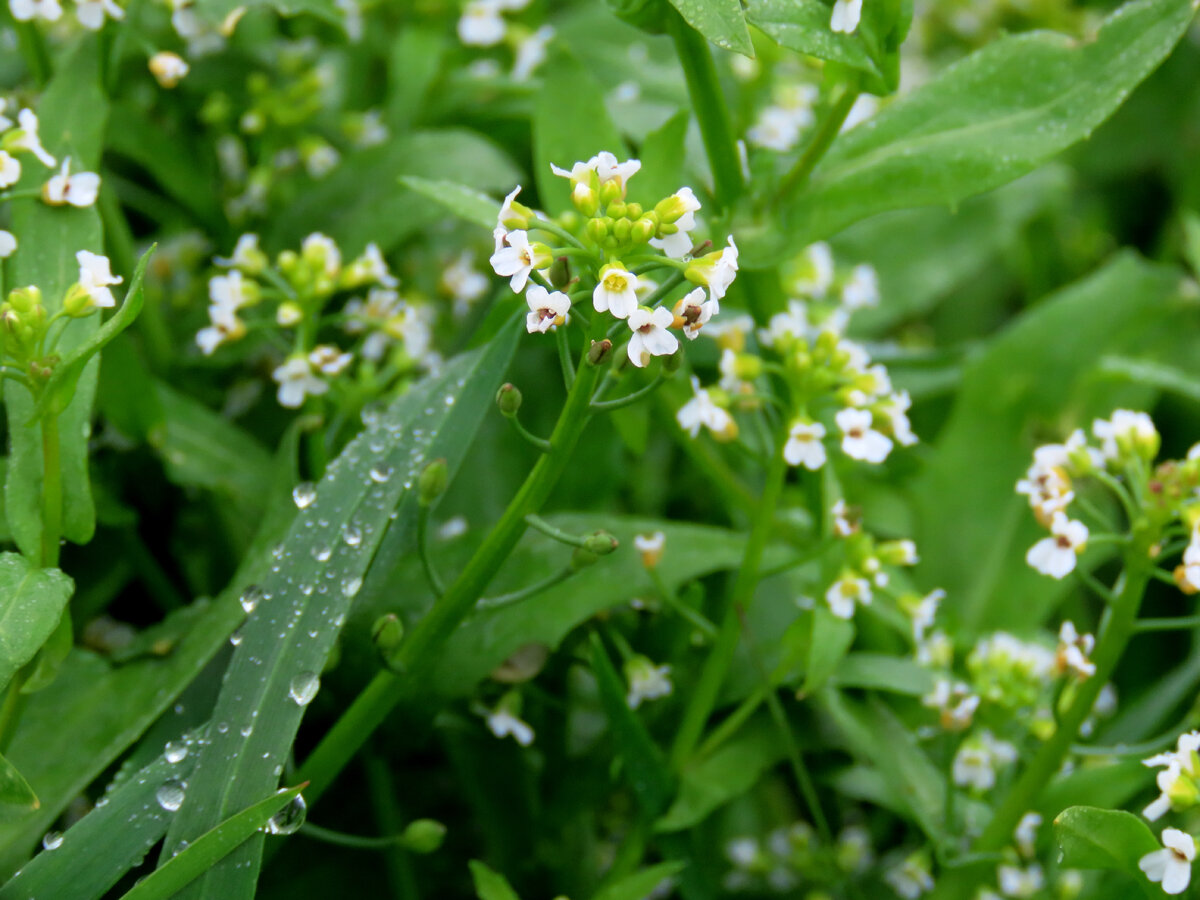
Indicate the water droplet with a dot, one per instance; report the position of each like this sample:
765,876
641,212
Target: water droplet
250,598
235,638
52,840
304,494
322,554
223,727
302,690
247,731
350,586
381,472
370,414
352,535
290,818
175,752
170,795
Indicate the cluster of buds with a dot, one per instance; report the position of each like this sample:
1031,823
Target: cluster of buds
27,333
979,758
864,568
299,287
617,244
793,855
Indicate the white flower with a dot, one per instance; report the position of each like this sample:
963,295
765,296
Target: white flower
924,612
5,122
1017,882
955,703
371,268
777,128
1173,864
29,140
547,309
480,24
505,719
651,547
10,170
91,13
329,359
862,289
701,411
650,335
617,292
229,291
518,260
742,852
226,326
804,447
8,244
95,277
27,10
1073,650
816,274
511,215
678,210
604,166
786,326
531,53
1056,555
911,878
894,410
844,593
320,250
246,255
296,381
859,440
692,312
846,14
1025,835
1178,780
715,271
978,758
78,190
463,282
646,681
1126,433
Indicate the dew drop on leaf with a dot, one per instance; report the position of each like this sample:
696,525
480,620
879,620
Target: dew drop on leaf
350,586
322,554
352,535
52,840
302,690
290,818
381,472
175,752
304,494
251,597
170,795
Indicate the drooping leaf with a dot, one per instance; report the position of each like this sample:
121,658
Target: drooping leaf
32,601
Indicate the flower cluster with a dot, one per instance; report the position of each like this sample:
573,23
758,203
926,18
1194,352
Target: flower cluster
794,855
90,13
390,332
78,189
864,567
617,244
483,24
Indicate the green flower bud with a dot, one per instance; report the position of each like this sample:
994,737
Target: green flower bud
508,398
387,634
611,192
633,210
601,543
25,299
617,210
586,200
560,272
582,558
597,229
599,352
423,836
78,302
643,229
622,230
432,482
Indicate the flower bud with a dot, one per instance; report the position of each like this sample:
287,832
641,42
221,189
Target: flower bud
387,634
633,210
559,272
586,200
601,543
671,364
432,482
643,229
289,314
582,558
78,302
423,836
622,230
25,299
597,229
599,352
508,398
611,192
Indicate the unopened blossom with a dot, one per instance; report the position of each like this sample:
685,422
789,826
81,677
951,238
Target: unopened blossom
531,53
8,244
1172,865
296,381
616,291
78,190
370,268
481,24
26,138
702,412
898,553
28,10
1056,555
646,681
168,68
246,257
10,170
847,591
846,15
715,271
328,359
650,335
679,212
651,547
96,277
512,215
1179,781
804,446
1073,651
978,758
859,439
693,311
289,314
1021,883
321,252
955,703
547,309
1126,433
1025,834
92,13
519,258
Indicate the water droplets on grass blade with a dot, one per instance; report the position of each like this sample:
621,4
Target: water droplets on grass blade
304,687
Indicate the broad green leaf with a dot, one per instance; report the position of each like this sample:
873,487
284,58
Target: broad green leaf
207,850
1092,838
729,772
416,55
285,642
639,885
883,672
569,124
874,734
71,115
985,121
489,884
15,792
32,601
974,529
721,21
385,211
109,841
466,203
830,641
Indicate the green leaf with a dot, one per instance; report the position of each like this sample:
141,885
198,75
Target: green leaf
106,843
985,121
207,850
883,672
15,792
489,884
831,640
1092,838
71,114
641,884
570,124
1152,374
214,12
466,203
32,601
721,21
286,640
413,65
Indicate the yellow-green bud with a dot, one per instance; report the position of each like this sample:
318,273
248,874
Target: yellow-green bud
387,634
25,299
597,229
432,482
633,210
600,543
616,210
599,351
747,366
586,200
78,302
582,558
610,193
622,229
671,364
643,229
508,398
423,836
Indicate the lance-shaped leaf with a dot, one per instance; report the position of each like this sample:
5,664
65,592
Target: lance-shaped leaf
32,601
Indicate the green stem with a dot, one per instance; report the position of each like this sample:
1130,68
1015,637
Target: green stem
52,492
629,399
387,689
670,598
489,603
819,145
717,665
539,524
431,574
708,101
1174,624
540,443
